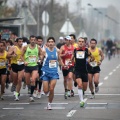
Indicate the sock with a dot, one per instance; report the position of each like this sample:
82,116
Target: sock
32,89
40,84
96,85
39,90
16,93
92,93
66,90
80,93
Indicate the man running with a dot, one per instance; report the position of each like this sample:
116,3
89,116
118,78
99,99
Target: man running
17,65
30,56
94,67
81,55
66,52
50,59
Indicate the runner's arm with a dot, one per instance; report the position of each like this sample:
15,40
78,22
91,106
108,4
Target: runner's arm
59,58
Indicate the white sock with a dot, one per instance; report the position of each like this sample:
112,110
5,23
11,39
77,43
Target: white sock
80,93
49,103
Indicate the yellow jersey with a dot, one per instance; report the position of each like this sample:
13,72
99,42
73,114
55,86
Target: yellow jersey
96,54
17,58
3,60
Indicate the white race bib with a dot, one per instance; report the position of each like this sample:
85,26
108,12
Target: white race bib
20,63
32,59
80,54
52,64
93,64
67,61
2,63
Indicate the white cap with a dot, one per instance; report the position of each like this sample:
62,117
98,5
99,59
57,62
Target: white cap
61,38
68,38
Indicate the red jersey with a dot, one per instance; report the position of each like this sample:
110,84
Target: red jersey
69,52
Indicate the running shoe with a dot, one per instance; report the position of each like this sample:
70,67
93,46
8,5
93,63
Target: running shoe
1,97
16,98
39,95
92,96
31,99
72,93
69,93
96,89
35,93
65,95
49,107
29,91
82,103
24,85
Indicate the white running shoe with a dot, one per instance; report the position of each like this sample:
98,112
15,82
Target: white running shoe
31,99
49,107
92,96
39,95
35,93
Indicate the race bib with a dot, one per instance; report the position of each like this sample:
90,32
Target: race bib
80,54
20,63
2,63
93,64
52,64
67,61
32,59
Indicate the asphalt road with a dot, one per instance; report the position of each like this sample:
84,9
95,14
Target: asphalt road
105,106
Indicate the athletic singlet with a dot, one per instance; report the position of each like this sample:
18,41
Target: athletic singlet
50,64
66,59
31,56
17,59
3,60
80,55
96,55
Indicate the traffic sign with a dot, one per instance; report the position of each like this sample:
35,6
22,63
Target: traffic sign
45,17
67,28
45,30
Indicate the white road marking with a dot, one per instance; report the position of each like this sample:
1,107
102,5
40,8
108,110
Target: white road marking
21,108
19,103
106,78
95,108
56,108
85,100
100,83
71,113
114,70
59,103
110,73
97,103
117,67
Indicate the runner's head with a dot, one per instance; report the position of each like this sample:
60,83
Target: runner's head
51,42
19,42
93,43
39,40
81,42
2,46
73,38
68,40
32,40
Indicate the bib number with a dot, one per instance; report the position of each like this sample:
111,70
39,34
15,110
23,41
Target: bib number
80,54
52,64
32,59
93,64
2,63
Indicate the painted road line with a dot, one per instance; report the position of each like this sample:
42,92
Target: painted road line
114,70
19,103
85,100
95,108
71,113
21,108
97,103
106,78
59,103
100,83
110,73
55,108
117,67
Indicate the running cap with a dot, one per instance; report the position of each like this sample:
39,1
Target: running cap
68,38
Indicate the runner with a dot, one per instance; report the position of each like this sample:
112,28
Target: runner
66,54
30,56
94,67
50,69
3,69
17,65
81,55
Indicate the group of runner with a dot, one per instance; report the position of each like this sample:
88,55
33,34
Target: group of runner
37,64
